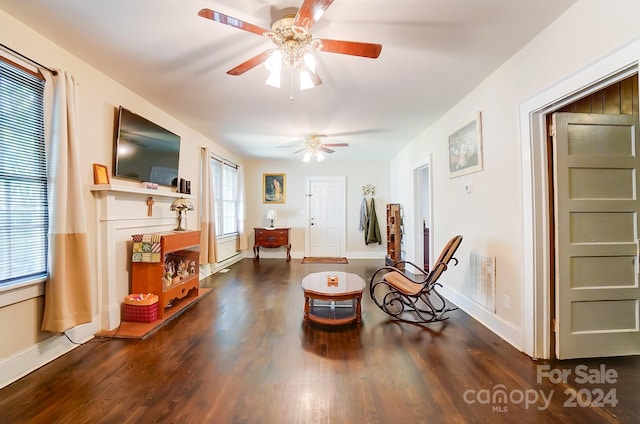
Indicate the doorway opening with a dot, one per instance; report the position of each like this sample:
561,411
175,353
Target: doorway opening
618,98
423,208
538,208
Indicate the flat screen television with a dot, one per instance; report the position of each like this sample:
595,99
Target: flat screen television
144,151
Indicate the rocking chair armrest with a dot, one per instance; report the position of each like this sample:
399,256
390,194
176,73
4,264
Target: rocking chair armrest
387,268
417,268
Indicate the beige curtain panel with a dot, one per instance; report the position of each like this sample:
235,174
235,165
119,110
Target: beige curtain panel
242,243
67,301
208,242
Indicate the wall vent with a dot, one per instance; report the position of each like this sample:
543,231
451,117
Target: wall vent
482,280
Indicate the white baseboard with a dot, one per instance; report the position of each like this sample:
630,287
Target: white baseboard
227,262
14,367
504,329
210,269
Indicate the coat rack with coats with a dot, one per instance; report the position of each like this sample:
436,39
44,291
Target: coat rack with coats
368,218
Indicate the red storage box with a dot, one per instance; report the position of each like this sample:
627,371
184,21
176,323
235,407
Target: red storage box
141,308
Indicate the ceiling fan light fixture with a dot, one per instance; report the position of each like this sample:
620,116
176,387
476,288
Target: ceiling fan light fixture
309,61
274,79
314,149
274,62
293,41
305,81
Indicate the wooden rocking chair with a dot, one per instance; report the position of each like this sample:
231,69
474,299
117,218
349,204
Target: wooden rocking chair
413,299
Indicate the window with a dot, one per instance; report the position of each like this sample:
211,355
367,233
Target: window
225,195
23,176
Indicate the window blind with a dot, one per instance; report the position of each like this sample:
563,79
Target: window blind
23,177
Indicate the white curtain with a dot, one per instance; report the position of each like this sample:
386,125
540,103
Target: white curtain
242,236
67,301
208,242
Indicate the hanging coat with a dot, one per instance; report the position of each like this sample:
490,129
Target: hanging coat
364,215
372,235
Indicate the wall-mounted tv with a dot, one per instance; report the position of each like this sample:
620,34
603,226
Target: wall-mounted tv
144,151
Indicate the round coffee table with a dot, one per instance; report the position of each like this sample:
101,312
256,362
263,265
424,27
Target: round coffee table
332,297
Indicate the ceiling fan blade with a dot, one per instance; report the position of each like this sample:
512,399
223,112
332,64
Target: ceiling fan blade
250,64
298,151
228,20
324,149
310,12
336,144
352,48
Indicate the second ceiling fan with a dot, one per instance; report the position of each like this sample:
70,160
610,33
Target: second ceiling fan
293,44
314,148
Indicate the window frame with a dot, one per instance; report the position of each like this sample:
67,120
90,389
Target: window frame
27,288
218,192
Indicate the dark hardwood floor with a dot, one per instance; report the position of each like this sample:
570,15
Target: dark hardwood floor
242,354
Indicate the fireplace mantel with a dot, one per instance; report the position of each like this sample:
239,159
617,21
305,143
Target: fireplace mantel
136,190
122,211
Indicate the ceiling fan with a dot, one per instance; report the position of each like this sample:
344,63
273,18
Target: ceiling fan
293,44
313,148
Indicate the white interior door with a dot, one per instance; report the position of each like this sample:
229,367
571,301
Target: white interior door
596,206
325,217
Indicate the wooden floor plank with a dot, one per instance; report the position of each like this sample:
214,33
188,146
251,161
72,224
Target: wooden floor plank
243,354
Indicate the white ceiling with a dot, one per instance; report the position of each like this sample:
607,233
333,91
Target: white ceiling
434,52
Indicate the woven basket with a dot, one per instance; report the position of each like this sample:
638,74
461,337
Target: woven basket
141,308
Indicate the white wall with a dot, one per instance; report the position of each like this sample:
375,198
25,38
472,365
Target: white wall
491,217
291,214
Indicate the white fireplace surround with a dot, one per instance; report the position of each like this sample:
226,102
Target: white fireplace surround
121,211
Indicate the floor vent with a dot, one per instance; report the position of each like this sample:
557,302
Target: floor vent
482,280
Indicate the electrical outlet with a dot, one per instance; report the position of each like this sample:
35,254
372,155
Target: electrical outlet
507,302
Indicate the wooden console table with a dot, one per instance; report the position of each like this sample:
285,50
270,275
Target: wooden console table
271,237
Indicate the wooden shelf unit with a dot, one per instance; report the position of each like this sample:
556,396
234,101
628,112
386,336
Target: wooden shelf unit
394,234
152,277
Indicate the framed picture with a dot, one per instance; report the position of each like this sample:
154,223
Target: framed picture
465,149
100,174
274,188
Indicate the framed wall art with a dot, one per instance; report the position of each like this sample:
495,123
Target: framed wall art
100,174
274,188
465,149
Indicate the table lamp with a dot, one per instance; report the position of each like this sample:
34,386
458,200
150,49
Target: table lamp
272,214
180,205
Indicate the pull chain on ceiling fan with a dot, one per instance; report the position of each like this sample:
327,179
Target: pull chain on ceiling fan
294,45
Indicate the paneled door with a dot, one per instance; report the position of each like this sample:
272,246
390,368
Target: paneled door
596,216
325,217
